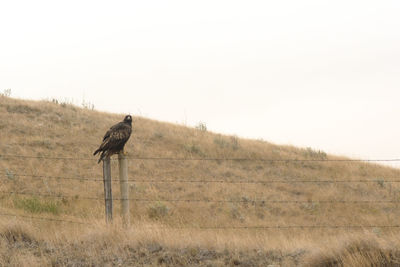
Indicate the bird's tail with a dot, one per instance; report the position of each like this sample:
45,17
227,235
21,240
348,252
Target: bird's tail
97,151
100,159
103,155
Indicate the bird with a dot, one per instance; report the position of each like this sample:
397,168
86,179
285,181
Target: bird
115,139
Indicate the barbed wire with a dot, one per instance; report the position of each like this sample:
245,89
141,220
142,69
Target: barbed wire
43,157
243,201
76,197
255,227
286,180
52,177
264,227
41,218
206,159
250,201
246,201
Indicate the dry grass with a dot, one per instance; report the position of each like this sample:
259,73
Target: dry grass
61,130
365,250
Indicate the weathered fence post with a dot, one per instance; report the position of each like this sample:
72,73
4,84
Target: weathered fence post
124,186
107,189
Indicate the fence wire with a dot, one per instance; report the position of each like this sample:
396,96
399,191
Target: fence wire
40,218
286,180
243,201
205,159
255,227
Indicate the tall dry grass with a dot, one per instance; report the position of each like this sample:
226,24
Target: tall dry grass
43,128
26,244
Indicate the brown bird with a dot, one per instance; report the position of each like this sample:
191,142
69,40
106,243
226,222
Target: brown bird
115,138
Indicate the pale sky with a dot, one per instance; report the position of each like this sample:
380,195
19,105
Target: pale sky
320,74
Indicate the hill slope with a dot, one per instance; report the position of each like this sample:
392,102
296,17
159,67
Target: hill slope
48,170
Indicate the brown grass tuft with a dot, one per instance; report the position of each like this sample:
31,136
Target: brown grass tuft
357,252
17,234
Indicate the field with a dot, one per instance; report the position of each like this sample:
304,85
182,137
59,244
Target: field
190,205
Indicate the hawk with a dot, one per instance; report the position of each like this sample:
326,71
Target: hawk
115,138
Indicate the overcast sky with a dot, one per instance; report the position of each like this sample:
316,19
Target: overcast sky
320,74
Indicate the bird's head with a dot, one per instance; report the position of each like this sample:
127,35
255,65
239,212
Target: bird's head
128,119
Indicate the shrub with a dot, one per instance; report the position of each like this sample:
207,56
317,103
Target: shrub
158,135
235,142
201,127
9,174
34,205
194,149
236,214
224,143
87,105
42,143
314,154
221,142
157,210
6,92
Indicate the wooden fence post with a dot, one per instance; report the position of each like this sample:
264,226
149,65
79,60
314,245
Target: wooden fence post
107,189
124,186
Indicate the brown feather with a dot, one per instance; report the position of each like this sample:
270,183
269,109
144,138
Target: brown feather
115,138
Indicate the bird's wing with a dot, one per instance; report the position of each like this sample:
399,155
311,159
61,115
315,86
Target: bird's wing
120,134
117,134
112,129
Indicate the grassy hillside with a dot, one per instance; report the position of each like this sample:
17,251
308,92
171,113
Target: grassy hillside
47,170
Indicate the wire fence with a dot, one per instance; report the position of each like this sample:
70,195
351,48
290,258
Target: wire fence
254,201
246,201
253,227
206,159
286,180
40,218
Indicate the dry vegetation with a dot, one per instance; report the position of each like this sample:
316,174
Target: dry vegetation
171,232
